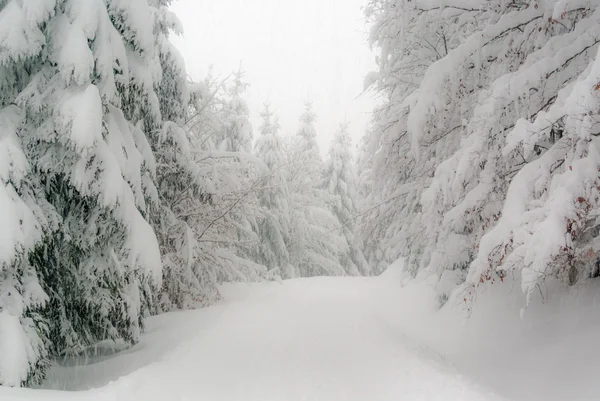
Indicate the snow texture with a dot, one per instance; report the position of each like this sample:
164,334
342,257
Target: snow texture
311,339
377,338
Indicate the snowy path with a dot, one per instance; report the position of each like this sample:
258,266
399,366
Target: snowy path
317,339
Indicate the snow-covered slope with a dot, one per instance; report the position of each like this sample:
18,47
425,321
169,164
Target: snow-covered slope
329,339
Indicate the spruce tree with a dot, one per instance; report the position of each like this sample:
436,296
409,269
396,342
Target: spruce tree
82,78
340,181
178,183
316,243
236,142
23,331
273,224
237,135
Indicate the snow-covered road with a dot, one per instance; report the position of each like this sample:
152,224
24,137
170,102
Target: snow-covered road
315,339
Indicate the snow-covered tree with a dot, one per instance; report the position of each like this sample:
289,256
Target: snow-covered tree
196,182
212,205
23,331
410,37
236,139
82,79
178,182
274,224
546,105
316,242
340,181
464,133
237,135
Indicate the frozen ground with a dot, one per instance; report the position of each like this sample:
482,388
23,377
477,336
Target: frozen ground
335,339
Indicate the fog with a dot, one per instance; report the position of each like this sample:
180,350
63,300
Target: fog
291,51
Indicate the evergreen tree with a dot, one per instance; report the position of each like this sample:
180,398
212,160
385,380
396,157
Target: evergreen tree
236,140
220,217
179,185
274,224
82,78
317,245
236,117
23,333
340,182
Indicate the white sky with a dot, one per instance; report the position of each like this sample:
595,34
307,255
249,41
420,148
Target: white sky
290,49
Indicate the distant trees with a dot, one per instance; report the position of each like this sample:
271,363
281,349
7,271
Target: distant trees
274,223
340,181
306,227
317,244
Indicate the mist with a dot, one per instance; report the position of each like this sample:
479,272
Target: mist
291,52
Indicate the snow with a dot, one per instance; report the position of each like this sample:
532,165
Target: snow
79,115
19,226
11,233
142,243
438,72
12,344
13,164
137,16
309,339
304,340
75,59
502,192
332,338
20,38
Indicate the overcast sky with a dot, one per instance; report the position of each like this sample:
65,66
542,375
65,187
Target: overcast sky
290,50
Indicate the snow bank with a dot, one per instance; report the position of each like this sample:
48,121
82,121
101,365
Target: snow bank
548,354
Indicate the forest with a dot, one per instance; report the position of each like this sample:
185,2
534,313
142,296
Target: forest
129,190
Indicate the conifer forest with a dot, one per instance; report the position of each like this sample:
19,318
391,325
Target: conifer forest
164,235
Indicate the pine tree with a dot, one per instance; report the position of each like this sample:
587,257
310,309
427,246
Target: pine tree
215,214
23,332
274,224
236,117
81,76
340,182
316,245
236,141
179,185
